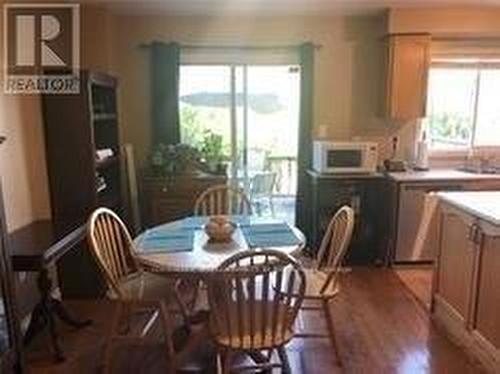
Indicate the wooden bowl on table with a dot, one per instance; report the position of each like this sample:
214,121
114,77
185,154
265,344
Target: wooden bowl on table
220,229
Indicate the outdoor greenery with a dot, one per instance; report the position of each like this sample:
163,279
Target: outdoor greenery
449,128
197,131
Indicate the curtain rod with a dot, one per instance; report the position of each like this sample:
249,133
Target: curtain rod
215,46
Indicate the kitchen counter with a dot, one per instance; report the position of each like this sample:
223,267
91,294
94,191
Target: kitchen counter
465,300
439,175
483,204
319,175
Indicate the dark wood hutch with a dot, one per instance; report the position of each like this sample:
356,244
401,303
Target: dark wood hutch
77,129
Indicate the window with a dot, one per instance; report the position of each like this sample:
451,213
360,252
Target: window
463,108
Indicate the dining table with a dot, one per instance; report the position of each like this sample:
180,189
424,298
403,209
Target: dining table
182,248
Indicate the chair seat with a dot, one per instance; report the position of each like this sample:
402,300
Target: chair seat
315,279
238,334
147,287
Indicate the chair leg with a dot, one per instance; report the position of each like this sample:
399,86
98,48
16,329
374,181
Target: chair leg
271,206
219,363
285,368
169,345
182,306
224,362
113,327
194,300
331,331
226,369
258,208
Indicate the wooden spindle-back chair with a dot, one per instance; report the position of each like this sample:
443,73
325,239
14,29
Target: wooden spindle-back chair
322,278
254,299
132,287
222,200
334,245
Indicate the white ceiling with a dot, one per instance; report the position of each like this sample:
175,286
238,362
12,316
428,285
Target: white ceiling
273,7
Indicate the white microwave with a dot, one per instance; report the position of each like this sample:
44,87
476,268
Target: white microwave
345,157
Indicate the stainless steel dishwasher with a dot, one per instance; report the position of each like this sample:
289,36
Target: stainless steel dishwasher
410,208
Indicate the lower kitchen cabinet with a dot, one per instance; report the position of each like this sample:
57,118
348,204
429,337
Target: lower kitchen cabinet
466,297
457,256
487,318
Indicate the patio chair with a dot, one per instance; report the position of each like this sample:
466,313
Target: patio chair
262,188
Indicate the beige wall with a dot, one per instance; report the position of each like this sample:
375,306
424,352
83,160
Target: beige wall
22,157
347,85
348,67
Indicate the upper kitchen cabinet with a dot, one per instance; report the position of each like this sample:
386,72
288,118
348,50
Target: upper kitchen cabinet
408,60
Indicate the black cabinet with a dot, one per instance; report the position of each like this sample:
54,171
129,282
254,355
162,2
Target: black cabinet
365,193
84,168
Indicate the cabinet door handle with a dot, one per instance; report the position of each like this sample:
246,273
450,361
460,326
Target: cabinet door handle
478,237
471,233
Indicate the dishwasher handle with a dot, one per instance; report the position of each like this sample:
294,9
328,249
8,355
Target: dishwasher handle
431,188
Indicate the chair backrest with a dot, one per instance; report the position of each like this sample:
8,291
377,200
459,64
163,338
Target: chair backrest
254,299
111,246
335,243
262,184
222,200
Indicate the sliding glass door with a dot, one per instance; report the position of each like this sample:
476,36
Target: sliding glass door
247,115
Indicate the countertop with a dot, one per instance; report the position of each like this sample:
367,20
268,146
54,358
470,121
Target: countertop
483,204
439,175
318,175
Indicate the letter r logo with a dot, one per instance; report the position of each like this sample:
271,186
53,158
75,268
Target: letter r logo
41,38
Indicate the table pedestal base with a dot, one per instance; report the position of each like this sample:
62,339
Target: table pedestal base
44,315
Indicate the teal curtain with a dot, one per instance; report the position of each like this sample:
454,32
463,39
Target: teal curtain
304,158
165,93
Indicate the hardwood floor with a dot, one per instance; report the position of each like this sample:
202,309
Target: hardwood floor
381,328
418,280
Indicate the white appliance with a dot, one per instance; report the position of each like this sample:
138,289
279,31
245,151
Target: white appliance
345,157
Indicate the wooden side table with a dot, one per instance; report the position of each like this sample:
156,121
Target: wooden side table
34,248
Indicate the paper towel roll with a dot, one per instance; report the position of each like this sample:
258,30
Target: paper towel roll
422,160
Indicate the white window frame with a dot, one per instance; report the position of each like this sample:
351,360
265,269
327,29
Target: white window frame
471,148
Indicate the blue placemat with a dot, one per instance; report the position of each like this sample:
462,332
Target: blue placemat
197,223
194,223
269,235
167,240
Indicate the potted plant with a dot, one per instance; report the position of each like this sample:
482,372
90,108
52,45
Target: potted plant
173,159
213,152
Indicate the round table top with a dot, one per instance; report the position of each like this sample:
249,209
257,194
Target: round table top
205,256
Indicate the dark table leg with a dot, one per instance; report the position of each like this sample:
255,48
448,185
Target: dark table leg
45,311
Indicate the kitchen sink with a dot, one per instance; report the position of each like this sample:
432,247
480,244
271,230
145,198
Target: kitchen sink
480,170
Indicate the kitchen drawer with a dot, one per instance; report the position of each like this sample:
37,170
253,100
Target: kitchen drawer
486,185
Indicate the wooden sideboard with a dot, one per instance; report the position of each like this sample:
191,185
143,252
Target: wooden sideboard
166,199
